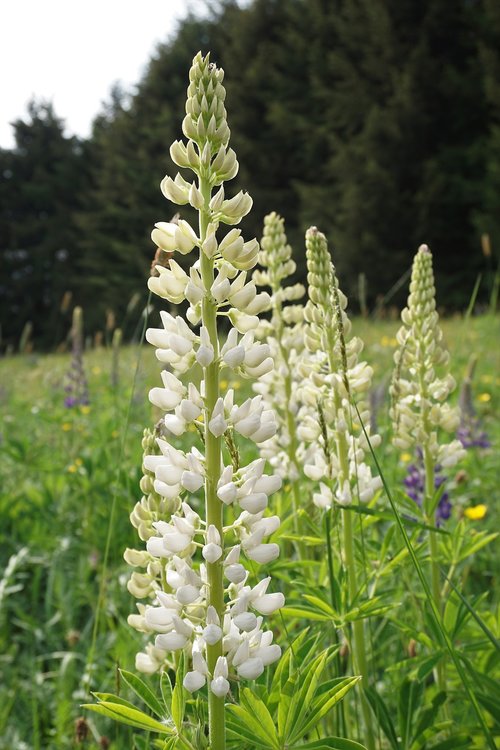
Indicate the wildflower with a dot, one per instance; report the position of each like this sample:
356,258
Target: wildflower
284,336
484,398
66,426
419,394
76,387
476,512
415,487
420,410
330,420
333,377
194,584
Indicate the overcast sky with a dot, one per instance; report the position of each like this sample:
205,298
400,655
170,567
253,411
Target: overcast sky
72,52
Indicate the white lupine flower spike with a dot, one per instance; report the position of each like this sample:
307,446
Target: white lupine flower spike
284,342
420,387
334,396
195,580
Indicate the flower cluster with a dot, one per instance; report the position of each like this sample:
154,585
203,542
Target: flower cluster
76,386
414,483
419,394
198,592
284,334
334,379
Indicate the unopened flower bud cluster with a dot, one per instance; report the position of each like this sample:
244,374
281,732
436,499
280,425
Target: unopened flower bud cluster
329,422
284,333
182,549
422,383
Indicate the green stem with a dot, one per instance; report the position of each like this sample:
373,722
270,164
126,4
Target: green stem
433,552
335,604
358,646
213,456
359,659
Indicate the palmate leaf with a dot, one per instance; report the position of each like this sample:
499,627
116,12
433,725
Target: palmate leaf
322,705
240,736
133,717
291,712
252,721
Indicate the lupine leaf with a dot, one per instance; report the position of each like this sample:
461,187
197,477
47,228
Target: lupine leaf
179,696
144,692
166,692
110,698
330,743
321,707
301,701
236,727
254,725
257,708
131,716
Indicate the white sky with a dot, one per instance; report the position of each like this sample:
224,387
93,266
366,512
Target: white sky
72,52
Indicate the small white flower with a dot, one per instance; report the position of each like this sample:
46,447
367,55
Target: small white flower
219,684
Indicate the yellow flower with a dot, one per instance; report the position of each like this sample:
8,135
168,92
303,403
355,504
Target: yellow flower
405,457
78,462
476,512
236,385
224,384
385,341
484,397
486,378
85,409
96,370
72,468
66,426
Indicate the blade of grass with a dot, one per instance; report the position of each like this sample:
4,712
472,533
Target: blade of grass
472,301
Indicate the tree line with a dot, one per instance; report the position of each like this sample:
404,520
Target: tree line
376,120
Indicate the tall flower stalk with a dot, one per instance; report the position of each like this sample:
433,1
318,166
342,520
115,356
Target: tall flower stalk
284,333
201,600
420,389
76,386
330,422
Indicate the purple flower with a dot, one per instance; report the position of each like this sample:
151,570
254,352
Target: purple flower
414,483
76,387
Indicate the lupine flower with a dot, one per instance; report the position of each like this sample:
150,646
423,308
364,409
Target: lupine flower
422,382
195,586
331,425
284,334
76,386
334,377
414,483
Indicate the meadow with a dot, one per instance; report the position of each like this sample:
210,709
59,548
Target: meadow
70,478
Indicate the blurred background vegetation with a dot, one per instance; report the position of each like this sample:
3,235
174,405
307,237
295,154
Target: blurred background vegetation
377,120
